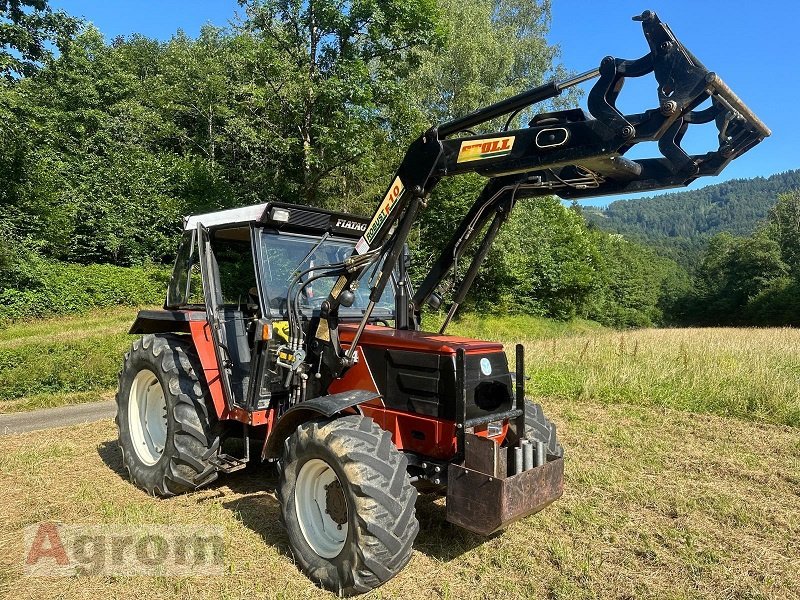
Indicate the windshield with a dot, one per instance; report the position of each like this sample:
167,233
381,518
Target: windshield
283,255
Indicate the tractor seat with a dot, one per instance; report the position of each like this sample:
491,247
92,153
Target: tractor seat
238,347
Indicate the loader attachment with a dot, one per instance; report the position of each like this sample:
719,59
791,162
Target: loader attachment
569,153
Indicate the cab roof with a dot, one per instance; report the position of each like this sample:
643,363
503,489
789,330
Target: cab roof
281,216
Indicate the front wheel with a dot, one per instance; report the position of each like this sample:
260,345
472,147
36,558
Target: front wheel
347,504
162,417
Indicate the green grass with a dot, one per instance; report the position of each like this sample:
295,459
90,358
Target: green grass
66,360
70,360
748,373
512,327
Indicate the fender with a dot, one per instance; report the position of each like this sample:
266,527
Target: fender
323,406
165,321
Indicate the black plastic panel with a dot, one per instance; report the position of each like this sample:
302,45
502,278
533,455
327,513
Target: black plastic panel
424,383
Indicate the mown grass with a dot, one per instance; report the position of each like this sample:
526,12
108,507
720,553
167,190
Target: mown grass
658,504
747,373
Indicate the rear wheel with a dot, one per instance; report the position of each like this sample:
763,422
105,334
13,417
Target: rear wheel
347,504
538,427
162,417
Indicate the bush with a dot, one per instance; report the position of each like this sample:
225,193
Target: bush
33,287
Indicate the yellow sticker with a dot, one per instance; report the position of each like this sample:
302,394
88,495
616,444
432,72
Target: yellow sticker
323,333
338,287
389,202
485,149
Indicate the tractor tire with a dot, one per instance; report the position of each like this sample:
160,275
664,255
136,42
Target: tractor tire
163,418
540,428
347,504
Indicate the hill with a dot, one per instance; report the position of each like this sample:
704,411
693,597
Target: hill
678,224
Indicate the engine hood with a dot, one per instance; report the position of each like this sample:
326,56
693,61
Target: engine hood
419,341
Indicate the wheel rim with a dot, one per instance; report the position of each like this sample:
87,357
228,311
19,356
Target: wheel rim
321,508
147,417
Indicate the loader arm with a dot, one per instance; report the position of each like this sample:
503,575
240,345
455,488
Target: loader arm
565,153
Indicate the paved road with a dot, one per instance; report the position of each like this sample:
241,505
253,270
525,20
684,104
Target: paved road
56,417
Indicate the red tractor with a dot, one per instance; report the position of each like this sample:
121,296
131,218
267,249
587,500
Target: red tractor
297,330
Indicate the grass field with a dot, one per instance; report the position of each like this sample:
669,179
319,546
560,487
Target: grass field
69,360
749,373
658,504
64,360
682,473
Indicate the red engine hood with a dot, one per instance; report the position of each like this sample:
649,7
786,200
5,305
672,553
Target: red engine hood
419,341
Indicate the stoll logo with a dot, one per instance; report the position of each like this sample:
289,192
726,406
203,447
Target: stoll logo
484,149
389,201
56,550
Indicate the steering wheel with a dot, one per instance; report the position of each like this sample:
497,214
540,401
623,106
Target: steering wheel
279,303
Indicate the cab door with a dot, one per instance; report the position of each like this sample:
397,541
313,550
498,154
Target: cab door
209,270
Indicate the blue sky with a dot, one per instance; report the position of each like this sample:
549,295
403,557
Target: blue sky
753,46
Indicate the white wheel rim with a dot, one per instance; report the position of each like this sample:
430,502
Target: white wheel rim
325,536
147,417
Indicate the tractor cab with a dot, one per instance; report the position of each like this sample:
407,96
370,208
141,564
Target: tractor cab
239,265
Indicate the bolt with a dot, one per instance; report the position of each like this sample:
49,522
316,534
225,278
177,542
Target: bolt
437,469
607,60
668,107
727,151
665,46
628,131
437,481
424,465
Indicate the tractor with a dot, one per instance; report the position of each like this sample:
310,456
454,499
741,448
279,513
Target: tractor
292,334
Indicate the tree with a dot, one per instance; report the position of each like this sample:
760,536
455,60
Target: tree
27,27
733,272
494,49
783,226
335,77
545,263
638,287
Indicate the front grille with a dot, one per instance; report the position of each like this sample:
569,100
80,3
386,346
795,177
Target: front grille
425,383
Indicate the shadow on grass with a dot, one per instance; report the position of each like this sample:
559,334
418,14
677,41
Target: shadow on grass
111,455
257,508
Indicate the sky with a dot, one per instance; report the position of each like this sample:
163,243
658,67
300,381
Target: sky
752,46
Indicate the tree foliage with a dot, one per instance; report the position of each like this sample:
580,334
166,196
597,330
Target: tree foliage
679,225
106,146
27,28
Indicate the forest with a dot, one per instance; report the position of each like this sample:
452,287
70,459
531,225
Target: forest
106,144
680,224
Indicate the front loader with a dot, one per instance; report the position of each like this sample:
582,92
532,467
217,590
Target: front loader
292,334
